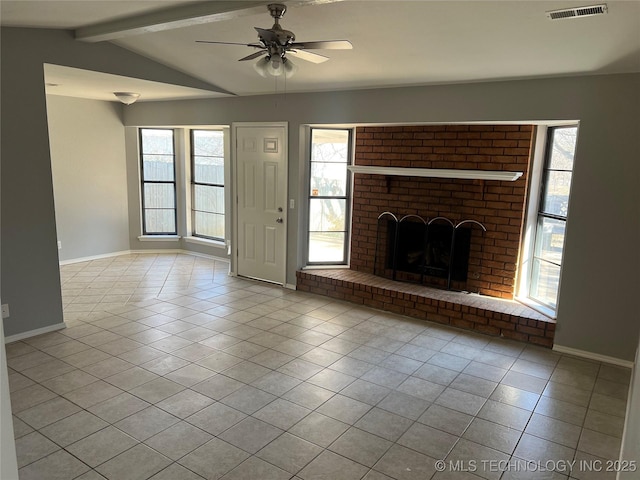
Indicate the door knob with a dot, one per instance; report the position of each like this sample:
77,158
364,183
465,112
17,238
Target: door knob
279,220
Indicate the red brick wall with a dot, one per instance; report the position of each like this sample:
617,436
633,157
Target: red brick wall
498,205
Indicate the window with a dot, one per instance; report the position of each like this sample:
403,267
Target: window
158,174
207,184
546,258
329,194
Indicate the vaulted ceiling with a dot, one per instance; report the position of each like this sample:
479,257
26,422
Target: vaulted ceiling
395,43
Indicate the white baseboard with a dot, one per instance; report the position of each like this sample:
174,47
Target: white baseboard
179,251
593,356
206,255
94,257
33,333
157,250
141,252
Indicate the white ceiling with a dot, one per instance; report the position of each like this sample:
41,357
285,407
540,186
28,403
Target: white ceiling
395,42
75,82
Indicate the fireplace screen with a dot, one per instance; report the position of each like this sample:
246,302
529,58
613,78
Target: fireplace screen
414,249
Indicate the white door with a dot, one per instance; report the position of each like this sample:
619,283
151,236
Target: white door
261,188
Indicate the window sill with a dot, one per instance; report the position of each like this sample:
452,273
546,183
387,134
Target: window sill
328,266
205,241
159,238
546,311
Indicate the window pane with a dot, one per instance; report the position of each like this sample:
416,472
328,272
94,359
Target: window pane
544,283
550,232
159,195
327,215
208,199
550,239
209,224
330,146
157,167
208,170
328,179
157,141
326,247
564,147
556,193
328,229
208,143
160,221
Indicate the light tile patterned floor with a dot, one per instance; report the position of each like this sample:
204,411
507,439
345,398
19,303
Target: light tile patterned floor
172,370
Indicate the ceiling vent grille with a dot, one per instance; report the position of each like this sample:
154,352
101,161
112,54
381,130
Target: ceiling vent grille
577,12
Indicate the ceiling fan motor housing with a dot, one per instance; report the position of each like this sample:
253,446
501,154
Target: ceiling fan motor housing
277,10
282,36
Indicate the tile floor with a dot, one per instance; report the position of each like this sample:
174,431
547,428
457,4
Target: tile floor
172,370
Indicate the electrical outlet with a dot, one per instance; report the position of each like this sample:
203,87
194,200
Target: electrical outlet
292,203
5,310
59,245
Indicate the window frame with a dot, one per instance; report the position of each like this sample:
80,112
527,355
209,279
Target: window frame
346,197
538,186
143,182
193,183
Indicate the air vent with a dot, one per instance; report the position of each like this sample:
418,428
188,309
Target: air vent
577,12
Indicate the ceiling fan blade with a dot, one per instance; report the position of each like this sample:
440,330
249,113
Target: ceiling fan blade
308,56
253,55
324,45
266,36
255,45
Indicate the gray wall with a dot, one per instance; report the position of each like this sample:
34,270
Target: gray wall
29,257
89,176
597,306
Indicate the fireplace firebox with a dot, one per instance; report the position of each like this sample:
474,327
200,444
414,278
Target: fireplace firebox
414,249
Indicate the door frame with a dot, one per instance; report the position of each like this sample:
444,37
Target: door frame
234,193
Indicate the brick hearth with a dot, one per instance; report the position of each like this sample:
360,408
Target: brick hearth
493,316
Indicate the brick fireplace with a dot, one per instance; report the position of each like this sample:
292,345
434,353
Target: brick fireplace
493,255
499,206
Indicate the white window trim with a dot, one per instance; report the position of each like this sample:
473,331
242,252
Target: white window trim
176,182
187,185
307,155
531,222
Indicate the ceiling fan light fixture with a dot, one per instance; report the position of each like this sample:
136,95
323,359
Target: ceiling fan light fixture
261,66
275,67
127,97
290,68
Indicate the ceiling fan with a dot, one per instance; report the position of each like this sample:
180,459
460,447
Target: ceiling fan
276,43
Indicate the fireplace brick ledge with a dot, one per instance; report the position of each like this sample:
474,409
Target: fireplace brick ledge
488,315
